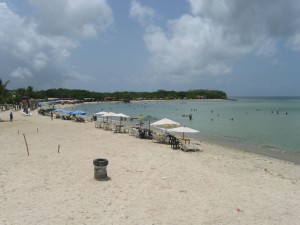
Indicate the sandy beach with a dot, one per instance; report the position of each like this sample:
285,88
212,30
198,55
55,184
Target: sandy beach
149,182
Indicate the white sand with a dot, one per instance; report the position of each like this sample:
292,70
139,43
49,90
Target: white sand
150,183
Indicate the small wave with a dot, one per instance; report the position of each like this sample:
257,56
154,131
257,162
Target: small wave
269,147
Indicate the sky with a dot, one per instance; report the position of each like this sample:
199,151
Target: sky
242,47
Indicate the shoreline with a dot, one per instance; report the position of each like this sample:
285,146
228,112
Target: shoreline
276,154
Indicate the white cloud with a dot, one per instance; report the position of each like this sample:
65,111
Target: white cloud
216,32
69,17
21,39
29,49
142,14
193,47
21,72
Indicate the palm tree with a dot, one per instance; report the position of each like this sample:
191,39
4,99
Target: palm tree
3,91
29,91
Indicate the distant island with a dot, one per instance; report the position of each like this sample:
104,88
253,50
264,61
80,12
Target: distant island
15,96
125,96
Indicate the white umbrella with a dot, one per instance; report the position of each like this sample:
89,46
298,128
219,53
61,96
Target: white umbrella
121,115
108,114
183,130
165,122
100,113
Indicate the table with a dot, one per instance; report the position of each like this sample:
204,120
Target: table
186,140
118,128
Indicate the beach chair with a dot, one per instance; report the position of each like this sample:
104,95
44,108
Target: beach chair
189,147
97,124
79,119
124,129
107,127
158,138
132,132
175,144
114,130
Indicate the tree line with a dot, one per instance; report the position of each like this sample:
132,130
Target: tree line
11,96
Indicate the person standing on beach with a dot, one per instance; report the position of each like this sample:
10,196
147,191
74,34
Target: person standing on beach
51,115
11,116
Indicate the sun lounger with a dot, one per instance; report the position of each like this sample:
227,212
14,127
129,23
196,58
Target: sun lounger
97,124
124,129
159,138
133,132
189,147
79,119
66,117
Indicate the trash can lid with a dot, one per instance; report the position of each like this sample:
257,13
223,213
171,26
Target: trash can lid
100,162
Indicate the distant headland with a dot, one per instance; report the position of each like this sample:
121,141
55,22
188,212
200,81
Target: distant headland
13,96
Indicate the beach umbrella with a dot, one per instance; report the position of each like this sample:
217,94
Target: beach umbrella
149,119
121,115
165,122
64,111
100,113
140,117
58,110
108,114
78,113
47,108
183,130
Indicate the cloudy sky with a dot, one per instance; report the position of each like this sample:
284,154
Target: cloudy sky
245,48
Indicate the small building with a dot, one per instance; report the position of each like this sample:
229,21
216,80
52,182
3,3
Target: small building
89,99
200,97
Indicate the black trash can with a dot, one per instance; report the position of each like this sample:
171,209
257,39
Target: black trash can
100,172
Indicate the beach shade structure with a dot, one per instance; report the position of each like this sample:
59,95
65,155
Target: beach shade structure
149,119
44,110
47,109
142,118
78,113
108,114
100,113
63,111
58,110
121,115
139,118
183,130
165,123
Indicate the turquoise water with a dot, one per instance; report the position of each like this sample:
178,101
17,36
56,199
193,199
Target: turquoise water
260,123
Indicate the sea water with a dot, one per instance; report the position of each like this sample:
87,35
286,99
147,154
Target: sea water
251,123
